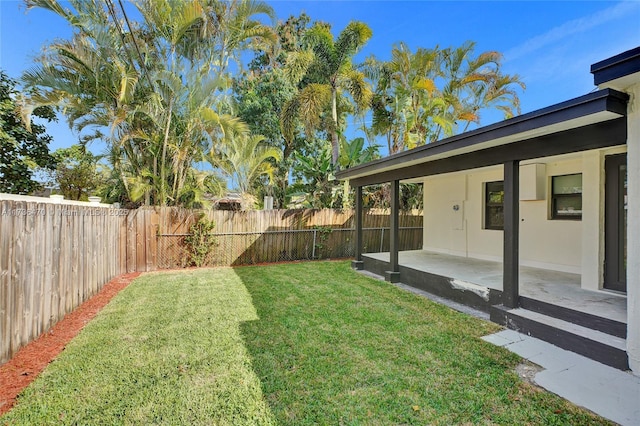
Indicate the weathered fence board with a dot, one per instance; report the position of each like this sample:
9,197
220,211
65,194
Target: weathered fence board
53,257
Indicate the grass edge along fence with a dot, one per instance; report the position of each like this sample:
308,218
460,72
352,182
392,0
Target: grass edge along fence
54,256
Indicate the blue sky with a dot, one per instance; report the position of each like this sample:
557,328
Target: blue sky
550,44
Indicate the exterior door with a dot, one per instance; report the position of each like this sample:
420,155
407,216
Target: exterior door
615,214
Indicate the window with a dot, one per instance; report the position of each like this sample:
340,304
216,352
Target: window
494,205
566,197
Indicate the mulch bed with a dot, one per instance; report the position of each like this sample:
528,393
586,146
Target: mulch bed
31,359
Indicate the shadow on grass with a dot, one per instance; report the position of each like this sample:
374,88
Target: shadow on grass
304,343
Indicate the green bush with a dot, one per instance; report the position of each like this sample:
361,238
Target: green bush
200,243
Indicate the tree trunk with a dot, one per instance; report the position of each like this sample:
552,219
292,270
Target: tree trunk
281,196
346,201
165,142
335,144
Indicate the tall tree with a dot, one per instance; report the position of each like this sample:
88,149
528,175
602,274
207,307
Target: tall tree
243,158
160,89
24,146
423,95
325,72
260,94
476,83
78,174
406,102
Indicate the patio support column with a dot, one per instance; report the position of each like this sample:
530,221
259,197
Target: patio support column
393,274
511,262
357,263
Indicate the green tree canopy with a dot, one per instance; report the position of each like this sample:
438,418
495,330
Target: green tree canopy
78,174
243,158
325,73
261,93
423,95
171,86
157,88
24,145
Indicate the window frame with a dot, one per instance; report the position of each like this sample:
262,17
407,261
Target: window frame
489,204
553,200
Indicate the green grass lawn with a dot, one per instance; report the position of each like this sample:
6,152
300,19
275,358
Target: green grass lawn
306,343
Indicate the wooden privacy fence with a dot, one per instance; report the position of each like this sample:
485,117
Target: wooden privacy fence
244,238
54,256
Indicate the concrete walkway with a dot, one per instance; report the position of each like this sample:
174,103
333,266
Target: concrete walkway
611,393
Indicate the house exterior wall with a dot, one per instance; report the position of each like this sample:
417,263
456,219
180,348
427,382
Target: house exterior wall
592,261
633,230
561,245
626,78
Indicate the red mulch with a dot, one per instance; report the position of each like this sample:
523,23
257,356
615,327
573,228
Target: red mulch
31,359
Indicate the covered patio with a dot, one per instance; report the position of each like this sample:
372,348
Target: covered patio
592,123
481,276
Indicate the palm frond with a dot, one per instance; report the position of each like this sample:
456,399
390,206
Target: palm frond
313,100
358,88
289,118
350,40
297,65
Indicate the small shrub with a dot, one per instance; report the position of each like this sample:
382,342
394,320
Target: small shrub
200,243
322,235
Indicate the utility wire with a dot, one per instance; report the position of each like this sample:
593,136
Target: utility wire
116,22
114,16
143,64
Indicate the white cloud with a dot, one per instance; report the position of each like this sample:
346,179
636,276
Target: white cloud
573,28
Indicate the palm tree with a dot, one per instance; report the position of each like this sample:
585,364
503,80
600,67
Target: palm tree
406,101
474,84
181,131
432,92
210,33
498,94
231,27
152,87
243,158
325,72
92,79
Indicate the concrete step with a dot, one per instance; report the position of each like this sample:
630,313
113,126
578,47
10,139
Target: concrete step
602,347
606,325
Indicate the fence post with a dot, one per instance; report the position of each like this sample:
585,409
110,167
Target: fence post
393,275
313,250
381,239
358,263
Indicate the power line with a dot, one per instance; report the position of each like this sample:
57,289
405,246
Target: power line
112,11
143,64
116,22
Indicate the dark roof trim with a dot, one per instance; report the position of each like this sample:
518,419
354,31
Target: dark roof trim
601,101
617,66
599,135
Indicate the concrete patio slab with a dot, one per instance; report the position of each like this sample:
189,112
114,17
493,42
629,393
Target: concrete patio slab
555,287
